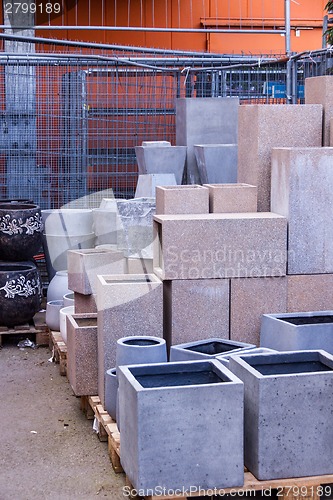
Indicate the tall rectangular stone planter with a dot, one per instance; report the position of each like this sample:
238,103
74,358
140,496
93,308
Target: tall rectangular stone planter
263,127
295,331
310,292
82,365
224,198
203,445
126,305
220,246
319,90
203,303
288,408
205,121
302,191
85,265
186,199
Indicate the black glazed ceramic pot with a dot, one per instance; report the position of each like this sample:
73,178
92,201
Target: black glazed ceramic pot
20,292
21,229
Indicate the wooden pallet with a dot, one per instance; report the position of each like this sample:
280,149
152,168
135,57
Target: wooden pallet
107,429
304,488
36,328
59,351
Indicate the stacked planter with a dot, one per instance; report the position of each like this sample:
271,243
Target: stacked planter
20,285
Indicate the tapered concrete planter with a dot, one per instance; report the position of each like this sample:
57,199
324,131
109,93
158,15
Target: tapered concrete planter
161,159
296,331
137,350
217,163
181,426
128,305
146,185
225,359
288,408
82,353
206,349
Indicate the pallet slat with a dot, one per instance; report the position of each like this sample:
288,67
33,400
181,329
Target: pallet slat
36,327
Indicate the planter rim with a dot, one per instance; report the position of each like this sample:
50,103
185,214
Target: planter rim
282,356
132,371
156,341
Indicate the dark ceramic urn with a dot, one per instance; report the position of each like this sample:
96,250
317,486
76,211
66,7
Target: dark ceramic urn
20,292
21,230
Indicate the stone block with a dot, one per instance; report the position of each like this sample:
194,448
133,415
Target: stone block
127,305
249,300
302,191
287,404
227,198
85,265
203,303
136,237
217,163
186,199
139,266
147,183
82,364
205,121
220,246
263,127
84,304
310,292
161,159
319,90
189,418
297,331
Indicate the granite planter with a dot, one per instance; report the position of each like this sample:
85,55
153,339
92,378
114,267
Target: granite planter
21,229
82,366
137,350
181,425
20,292
288,408
206,349
186,199
296,331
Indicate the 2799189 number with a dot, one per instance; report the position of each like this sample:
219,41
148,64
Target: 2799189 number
305,491
32,8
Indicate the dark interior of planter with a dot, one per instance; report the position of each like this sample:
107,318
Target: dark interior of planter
290,368
83,322
212,348
141,342
308,320
178,379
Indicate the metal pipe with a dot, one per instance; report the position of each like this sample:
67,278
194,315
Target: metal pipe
287,26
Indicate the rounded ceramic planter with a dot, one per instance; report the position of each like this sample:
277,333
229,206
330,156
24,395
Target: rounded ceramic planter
58,286
68,299
20,292
63,321
21,229
138,350
52,315
111,388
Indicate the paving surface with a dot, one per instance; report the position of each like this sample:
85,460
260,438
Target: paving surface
48,449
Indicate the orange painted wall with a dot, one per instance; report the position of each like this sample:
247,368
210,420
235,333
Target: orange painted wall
166,13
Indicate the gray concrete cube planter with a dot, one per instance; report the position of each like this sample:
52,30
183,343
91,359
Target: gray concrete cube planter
288,407
297,331
206,349
225,359
181,426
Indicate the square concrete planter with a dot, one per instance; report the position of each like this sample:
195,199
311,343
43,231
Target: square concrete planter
225,359
296,331
200,404
187,199
206,349
216,162
130,304
82,365
224,198
85,265
288,408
